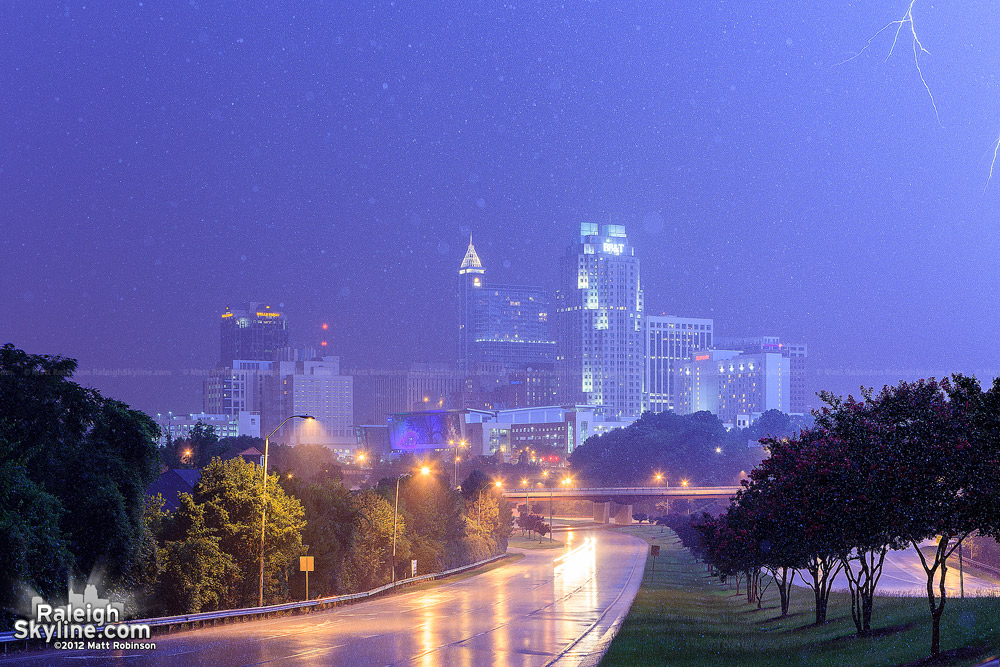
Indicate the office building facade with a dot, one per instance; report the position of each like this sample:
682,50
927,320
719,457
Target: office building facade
500,324
314,388
255,332
797,355
734,386
599,311
179,427
669,342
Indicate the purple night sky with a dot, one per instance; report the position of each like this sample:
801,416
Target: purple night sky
160,161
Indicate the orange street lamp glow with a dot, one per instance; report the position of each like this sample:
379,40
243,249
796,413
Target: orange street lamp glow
684,482
718,450
659,477
499,484
425,470
524,482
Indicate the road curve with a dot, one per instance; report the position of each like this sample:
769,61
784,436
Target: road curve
903,574
553,607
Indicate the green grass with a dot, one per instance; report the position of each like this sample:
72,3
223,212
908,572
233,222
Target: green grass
516,540
681,616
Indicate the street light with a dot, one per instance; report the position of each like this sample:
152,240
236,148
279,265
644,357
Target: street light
395,514
460,443
660,477
263,509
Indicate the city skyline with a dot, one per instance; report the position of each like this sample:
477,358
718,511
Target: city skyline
186,384
336,161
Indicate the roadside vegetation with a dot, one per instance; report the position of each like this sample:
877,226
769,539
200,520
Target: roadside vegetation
74,467
683,615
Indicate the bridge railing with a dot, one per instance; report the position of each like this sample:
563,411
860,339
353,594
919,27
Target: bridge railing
623,490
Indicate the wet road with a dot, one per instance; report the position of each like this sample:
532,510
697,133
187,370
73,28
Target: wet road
902,574
551,607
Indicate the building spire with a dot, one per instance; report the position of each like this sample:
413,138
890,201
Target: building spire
471,260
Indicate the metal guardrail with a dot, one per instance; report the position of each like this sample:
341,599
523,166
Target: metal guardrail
165,623
989,569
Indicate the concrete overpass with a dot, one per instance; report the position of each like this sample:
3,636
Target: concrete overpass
615,503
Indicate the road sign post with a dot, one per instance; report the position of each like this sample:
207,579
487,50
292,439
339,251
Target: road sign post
654,551
307,564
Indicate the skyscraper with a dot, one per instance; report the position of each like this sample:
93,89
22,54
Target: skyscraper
670,341
500,324
253,333
599,322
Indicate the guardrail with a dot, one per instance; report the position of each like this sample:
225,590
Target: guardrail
164,624
989,569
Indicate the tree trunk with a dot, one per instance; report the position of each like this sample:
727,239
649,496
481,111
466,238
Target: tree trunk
936,602
820,606
784,583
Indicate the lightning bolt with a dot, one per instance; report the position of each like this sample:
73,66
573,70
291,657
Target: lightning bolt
918,48
996,148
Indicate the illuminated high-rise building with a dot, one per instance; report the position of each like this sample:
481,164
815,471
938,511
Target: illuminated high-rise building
252,333
670,342
500,324
599,323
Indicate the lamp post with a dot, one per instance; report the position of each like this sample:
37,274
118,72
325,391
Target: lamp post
566,482
263,509
660,477
395,514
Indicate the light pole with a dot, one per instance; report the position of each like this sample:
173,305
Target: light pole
660,477
566,482
263,509
395,514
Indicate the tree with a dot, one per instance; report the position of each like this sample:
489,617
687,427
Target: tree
433,512
853,431
197,573
230,495
942,440
368,561
33,548
803,480
488,516
696,447
329,517
78,463
311,462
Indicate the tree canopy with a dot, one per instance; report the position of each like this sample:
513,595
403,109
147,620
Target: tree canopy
75,466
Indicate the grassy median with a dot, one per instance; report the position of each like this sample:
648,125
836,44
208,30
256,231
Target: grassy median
526,542
681,616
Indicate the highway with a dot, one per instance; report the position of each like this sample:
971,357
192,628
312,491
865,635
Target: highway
554,606
902,574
